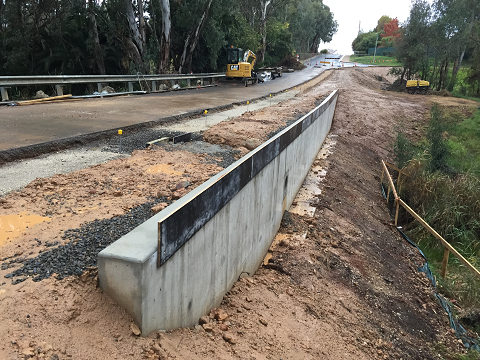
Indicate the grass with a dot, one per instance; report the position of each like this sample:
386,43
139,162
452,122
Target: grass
464,142
445,354
444,189
379,60
457,94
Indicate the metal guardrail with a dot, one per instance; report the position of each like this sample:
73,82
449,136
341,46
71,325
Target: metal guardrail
61,80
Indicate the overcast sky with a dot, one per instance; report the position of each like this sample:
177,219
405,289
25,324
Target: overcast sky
349,12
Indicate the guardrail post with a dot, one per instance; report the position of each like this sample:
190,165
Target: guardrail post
154,86
130,86
59,90
201,81
99,87
188,82
4,92
173,83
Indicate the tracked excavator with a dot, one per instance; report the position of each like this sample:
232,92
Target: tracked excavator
417,86
239,68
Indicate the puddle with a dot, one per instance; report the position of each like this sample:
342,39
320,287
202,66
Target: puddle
12,226
310,188
164,169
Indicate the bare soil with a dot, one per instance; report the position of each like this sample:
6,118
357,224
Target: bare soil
340,284
248,131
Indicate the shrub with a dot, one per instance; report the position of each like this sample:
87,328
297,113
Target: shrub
437,129
403,150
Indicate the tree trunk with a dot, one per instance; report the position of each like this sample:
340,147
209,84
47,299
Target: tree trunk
153,27
445,72
403,74
432,74
455,69
97,49
132,51
440,76
263,29
314,47
132,24
163,64
141,23
184,54
196,37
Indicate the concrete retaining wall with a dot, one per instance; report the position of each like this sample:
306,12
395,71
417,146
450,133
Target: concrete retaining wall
220,235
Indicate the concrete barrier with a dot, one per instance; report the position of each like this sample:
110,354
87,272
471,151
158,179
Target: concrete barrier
178,265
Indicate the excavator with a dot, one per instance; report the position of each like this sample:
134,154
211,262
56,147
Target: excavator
417,86
238,66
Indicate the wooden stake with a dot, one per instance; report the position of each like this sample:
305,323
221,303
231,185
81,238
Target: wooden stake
396,214
445,263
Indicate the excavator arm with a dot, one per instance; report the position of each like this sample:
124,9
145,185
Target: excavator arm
247,54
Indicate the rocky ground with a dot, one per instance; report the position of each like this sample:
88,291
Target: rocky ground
340,283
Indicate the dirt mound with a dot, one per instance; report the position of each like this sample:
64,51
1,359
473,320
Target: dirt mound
442,92
366,79
251,129
291,62
398,85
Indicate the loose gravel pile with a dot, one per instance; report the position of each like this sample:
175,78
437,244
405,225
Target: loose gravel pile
83,245
129,142
220,155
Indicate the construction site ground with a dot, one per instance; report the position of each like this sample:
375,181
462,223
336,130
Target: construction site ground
340,282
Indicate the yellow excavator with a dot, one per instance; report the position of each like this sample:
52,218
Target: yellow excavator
238,66
417,86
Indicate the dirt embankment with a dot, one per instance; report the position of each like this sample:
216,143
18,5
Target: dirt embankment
248,131
339,285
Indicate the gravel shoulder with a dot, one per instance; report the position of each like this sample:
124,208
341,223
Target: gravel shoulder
340,282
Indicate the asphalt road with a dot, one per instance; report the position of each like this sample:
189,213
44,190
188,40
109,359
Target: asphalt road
28,125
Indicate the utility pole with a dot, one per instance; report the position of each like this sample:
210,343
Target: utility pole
375,52
359,27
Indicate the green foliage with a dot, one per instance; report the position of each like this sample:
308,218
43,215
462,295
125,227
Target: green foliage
279,44
364,41
311,22
387,41
437,38
381,23
470,355
444,353
58,37
324,51
449,201
464,142
439,150
403,149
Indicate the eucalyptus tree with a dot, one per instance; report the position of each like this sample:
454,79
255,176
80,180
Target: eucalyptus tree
456,20
414,45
